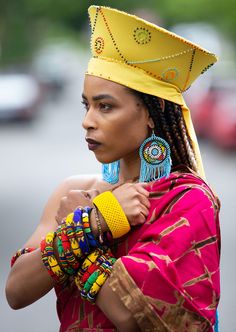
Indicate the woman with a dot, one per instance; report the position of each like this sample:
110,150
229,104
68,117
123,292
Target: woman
142,244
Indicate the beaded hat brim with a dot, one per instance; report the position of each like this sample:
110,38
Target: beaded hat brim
147,58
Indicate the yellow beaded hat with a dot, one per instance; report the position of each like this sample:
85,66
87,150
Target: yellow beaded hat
133,52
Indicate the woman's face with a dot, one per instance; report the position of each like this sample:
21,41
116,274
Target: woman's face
116,121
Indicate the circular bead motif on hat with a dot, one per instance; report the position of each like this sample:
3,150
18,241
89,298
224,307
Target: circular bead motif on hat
170,74
142,35
99,45
155,151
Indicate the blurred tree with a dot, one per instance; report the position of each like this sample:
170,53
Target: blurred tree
24,23
220,13
15,31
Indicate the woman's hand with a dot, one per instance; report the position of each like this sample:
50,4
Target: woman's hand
74,199
134,201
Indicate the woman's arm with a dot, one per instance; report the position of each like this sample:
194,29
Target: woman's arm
115,310
28,279
134,200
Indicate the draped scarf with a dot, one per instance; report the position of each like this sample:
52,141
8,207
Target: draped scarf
167,270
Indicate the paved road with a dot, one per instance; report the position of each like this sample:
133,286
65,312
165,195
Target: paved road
36,156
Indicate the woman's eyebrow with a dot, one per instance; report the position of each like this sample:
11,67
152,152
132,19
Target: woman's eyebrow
99,97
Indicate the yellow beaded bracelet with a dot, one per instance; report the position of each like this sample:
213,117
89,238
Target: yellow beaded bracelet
112,213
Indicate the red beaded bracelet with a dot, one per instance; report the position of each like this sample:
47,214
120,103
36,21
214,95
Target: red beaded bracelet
19,253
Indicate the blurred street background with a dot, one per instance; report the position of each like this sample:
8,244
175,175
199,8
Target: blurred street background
43,56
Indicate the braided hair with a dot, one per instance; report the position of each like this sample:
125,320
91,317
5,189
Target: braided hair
169,124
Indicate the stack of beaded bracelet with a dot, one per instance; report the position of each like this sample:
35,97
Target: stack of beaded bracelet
75,240
19,253
76,237
94,272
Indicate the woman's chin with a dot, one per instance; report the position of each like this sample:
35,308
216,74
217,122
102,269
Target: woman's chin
103,160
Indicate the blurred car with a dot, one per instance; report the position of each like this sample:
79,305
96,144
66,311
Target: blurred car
56,65
19,96
212,98
214,114
222,121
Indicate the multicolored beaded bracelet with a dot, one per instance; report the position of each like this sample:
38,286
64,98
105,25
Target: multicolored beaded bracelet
87,230
89,283
93,285
92,268
70,226
80,232
71,259
50,260
94,275
61,254
88,262
99,282
21,252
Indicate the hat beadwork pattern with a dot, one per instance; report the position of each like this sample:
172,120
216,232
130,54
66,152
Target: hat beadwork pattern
141,45
142,35
99,45
170,74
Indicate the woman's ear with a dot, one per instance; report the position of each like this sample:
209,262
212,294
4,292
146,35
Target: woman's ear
151,122
162,104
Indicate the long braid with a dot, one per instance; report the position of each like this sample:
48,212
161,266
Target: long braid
161,125
170,125
187,142
172,115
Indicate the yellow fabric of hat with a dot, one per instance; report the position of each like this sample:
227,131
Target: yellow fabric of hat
133,52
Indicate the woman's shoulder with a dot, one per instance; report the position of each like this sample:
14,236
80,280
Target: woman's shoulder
182,180
81,182
85,182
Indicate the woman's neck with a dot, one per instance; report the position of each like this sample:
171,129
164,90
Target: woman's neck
129,168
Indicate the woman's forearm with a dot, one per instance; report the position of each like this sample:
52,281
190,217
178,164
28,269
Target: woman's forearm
28,280
115,310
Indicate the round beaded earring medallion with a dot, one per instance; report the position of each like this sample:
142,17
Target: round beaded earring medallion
155,150
155,159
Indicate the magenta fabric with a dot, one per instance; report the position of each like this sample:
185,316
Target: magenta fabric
173,260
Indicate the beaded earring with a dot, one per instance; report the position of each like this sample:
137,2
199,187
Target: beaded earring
110,172
155,159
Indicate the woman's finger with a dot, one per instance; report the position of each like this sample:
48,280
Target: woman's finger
141,189
145,201
144,210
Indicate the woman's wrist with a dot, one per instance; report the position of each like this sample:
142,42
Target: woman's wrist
94,224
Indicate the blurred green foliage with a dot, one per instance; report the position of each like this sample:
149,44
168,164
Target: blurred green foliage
25,23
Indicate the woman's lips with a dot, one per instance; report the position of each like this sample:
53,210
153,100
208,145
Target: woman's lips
92,144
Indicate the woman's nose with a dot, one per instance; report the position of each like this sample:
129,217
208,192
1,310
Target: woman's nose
89,121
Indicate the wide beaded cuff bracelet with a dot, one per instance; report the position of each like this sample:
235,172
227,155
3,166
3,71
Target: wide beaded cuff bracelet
112,213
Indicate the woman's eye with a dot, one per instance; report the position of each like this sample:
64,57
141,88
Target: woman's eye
105,107
85,105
